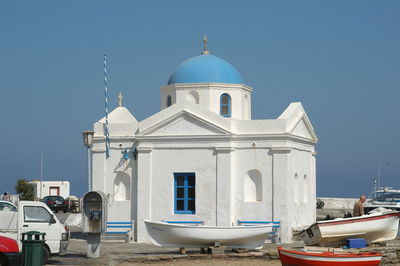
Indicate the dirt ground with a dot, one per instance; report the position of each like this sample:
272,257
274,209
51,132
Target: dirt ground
233,262
119,253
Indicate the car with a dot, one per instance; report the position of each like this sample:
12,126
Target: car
56,203
9,252
7,206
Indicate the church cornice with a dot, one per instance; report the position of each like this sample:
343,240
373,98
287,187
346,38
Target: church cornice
230,137
207,86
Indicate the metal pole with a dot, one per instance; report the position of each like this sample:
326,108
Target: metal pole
41,174
89,170
93,248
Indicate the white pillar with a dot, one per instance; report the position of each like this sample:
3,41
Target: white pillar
144,176
281,202
313,185
224,186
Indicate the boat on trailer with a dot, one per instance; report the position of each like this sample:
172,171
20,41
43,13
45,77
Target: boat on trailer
188,236
326,258
377,226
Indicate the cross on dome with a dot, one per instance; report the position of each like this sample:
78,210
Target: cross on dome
205,40
120,99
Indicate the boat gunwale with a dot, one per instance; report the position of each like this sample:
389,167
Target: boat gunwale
351,220
357,219
209,227
328,254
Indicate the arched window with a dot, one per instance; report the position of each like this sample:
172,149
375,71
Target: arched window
169,101
253,186
246,107
225,105
296,188
192,97
122,185
305,189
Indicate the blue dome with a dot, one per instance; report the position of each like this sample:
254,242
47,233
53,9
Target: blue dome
205,68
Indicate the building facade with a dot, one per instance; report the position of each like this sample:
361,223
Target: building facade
202,157
42,189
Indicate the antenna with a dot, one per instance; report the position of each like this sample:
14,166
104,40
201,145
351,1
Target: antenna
106,133
379,175
41,174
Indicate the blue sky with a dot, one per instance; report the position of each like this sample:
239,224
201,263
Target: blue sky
341,59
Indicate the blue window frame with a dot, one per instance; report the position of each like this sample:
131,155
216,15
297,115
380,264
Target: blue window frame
185,193
225,105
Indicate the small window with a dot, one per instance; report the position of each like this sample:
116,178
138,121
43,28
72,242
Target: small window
169,101
185,193
296,188
225,105
36,214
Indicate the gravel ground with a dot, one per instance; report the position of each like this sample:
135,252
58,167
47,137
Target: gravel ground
119,253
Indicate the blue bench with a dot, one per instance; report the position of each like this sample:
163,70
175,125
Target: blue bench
275,225
118,226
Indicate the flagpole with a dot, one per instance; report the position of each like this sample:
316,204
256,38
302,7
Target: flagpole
106,133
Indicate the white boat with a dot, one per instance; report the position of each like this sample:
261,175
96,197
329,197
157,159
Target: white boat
175,235
379,225
385,197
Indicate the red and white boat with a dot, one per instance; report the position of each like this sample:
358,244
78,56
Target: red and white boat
377,226
314,258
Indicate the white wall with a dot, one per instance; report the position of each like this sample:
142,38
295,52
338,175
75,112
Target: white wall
156,185
246,160
113,176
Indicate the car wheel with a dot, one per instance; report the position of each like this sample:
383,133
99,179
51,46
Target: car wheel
65,211
46,255
4,260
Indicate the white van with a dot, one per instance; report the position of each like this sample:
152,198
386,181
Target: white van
34,216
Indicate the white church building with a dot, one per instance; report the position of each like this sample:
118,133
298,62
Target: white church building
203,158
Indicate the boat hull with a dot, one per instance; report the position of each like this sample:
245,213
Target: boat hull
372,228
293,258
172,235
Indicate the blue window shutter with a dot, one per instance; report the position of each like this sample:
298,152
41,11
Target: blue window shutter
189,180
225,105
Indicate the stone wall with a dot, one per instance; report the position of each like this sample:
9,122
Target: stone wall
338,203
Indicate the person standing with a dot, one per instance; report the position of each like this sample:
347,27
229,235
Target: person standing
358,209
5,196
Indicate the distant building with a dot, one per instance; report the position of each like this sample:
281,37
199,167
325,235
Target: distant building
202,157
50,188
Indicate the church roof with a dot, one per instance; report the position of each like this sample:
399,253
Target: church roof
119,115
205,68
